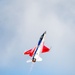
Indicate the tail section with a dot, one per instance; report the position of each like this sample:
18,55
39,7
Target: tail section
28,61
39,58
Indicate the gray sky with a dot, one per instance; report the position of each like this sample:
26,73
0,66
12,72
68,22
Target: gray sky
21,24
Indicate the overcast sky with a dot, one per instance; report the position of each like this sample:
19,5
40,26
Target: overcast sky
21,24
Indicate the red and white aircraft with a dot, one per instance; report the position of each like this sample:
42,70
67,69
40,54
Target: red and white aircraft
35,52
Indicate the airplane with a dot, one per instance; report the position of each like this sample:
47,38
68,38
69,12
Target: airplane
40,48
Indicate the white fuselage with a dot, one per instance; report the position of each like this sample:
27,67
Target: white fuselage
38,49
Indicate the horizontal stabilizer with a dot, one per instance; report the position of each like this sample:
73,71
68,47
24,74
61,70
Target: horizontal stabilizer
38,58
29,61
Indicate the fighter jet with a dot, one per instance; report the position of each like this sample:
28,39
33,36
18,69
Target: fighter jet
36,51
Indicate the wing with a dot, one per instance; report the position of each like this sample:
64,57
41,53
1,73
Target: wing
45,49
30,52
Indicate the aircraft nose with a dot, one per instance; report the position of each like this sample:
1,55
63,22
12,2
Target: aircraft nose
45,32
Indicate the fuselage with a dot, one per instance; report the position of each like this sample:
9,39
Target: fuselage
39,47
